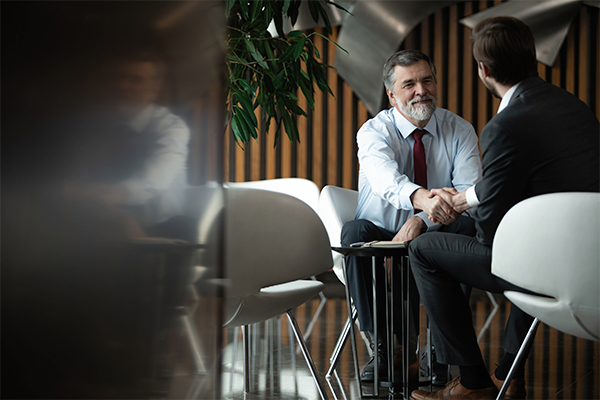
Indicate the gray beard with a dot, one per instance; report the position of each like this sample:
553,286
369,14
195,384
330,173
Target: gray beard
420,112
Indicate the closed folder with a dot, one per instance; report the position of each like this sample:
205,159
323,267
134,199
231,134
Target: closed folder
381,244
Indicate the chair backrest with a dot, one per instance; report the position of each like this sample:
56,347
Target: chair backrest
271,238
336,207
543,246
205,203
303,189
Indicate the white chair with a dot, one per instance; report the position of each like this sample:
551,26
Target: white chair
272,242
303,189
336,207
540,245
300,188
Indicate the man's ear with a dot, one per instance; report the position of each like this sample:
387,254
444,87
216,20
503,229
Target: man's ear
391,96
484,69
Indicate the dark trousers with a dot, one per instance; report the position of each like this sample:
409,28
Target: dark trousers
440,262
360,272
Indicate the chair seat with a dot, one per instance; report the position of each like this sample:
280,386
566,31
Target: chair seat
271,301
578,320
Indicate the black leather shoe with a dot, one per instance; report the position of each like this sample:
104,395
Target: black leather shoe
368,372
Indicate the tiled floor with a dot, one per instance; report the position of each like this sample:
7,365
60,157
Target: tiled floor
560,366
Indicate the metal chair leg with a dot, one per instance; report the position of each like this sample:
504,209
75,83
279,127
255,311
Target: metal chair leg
233,358
246,345
488,321
312,322
519,357
293,356
352,334
192,335
307,357
339,346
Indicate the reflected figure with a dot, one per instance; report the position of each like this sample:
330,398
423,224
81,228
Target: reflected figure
134,152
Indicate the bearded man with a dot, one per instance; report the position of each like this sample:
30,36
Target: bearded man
403,153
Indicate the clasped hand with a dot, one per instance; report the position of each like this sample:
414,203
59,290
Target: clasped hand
437,207
451,197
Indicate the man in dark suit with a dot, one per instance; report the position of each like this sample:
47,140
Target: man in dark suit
542,140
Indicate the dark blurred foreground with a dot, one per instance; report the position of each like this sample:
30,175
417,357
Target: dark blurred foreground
86,311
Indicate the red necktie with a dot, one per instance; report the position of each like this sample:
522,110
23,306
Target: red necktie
420,165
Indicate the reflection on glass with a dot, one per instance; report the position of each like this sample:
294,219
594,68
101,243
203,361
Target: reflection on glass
112,199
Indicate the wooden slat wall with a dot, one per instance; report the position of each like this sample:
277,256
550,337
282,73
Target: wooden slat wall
327,151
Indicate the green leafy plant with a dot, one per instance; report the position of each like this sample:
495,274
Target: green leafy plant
268,71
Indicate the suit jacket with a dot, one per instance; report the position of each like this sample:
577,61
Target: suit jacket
546,140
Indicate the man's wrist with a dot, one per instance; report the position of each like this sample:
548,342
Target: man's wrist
418,198
422,217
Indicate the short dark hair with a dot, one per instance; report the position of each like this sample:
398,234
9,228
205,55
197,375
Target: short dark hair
403,58
506,46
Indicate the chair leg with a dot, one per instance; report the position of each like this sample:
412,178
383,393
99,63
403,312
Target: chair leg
246,346
488,321
311,324
293,355
339,346
233,358
519,357
307,357
192,335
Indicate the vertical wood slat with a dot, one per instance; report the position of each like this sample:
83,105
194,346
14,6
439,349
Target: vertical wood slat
331,160
453,60
437,56
326,153
582,62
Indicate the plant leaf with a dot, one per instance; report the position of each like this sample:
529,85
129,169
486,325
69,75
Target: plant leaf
330,41
246,86
256,8
286,6
313,7
256,54
323,13
244,7
250,122
298,48
294,11
246,102
238,132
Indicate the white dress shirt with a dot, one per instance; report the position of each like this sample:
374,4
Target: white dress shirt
157,189
385,145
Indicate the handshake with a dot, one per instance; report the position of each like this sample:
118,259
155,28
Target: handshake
442,206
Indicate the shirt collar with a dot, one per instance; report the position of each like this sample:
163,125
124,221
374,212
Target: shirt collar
506,98
406,128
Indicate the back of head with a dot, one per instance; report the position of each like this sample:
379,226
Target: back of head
506,46
403,58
